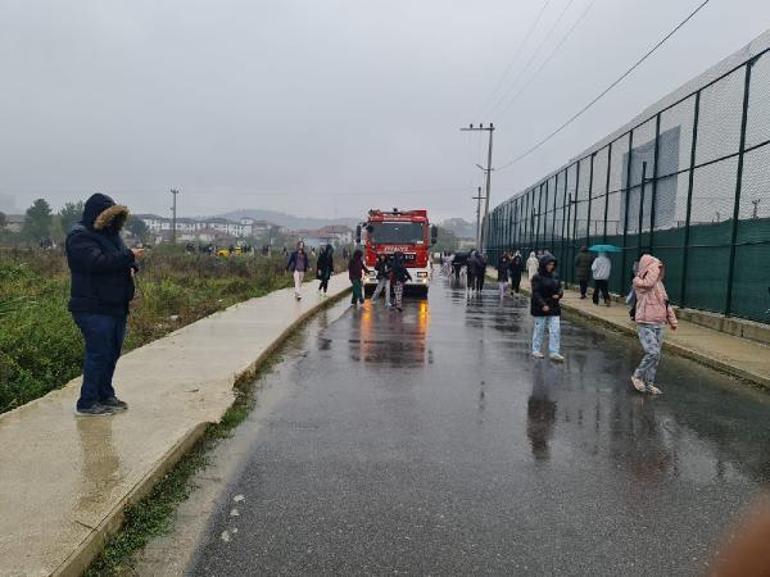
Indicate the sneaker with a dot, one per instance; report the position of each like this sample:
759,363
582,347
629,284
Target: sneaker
538,355
96,410
556,357
115,404
638,384
399,309
653,390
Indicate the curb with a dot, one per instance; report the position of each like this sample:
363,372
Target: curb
78,561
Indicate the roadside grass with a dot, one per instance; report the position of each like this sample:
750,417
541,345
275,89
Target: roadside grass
40,347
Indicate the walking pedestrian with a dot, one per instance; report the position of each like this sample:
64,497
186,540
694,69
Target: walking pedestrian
356,268
503,272
533,264
475,272
298,264
382,267
481,275
545,307
583,262
325,268
601,269
102,272
399,274
653,313
517,267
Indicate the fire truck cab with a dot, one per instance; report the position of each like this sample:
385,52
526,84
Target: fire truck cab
406,231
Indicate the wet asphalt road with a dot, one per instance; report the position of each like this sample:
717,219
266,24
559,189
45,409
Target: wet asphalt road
430,443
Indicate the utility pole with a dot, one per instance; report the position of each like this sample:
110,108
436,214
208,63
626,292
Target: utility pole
174,192
478,198
488,170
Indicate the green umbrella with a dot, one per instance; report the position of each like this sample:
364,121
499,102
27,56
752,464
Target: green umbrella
604,248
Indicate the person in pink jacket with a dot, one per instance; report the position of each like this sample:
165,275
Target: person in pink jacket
653,313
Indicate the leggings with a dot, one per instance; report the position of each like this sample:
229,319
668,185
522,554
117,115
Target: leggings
651,337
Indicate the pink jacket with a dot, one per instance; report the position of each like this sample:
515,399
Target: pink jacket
651,298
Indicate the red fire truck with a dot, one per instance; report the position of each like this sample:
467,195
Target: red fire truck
405,231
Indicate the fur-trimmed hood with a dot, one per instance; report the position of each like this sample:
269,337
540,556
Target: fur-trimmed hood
101,213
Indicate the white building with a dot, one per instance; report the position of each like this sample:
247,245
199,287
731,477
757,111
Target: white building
189,228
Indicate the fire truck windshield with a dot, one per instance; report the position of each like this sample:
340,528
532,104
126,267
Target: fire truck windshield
396,233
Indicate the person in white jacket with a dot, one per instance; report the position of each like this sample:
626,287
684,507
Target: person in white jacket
532,265
601,269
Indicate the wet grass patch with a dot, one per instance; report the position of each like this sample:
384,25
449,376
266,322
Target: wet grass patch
153,516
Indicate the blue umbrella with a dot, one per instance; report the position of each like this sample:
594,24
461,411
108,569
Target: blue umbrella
604,248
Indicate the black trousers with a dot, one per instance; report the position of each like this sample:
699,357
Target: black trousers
583,287
602,286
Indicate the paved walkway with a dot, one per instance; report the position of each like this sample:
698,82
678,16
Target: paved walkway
736,356
64,481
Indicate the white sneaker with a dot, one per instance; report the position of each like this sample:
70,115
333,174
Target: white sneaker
653,390
538,355
556,357
638,383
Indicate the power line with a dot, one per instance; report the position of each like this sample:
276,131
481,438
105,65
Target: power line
580,112
513,84
516,54
550,57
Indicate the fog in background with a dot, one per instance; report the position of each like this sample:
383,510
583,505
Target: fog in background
323,108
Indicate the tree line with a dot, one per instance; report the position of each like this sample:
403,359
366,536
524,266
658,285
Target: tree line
44,226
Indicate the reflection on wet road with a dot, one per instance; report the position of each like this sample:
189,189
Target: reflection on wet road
430,443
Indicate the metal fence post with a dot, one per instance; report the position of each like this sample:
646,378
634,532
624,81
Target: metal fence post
655,173
564,216
575,216
641,204
607,191
553,220
544,217
625,216
590,193
690,184
738,186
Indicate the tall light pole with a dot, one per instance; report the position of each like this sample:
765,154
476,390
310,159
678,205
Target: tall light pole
490,129
174,192
478,198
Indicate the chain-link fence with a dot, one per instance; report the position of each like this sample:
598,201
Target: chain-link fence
688,181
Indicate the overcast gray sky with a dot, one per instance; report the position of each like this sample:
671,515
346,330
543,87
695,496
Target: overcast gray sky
322,107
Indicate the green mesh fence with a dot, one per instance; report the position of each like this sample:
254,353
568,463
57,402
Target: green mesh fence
689,184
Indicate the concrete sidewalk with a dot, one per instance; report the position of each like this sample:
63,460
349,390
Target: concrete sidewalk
64,481
742,358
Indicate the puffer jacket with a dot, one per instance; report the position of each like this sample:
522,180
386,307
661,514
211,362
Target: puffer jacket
99,262
546,290
652,306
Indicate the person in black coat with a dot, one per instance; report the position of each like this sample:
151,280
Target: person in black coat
399,275
102,270
545,307
517,268
382,267
325,268
503,273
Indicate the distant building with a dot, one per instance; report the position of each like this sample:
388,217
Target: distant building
334,234
203,229
14,222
